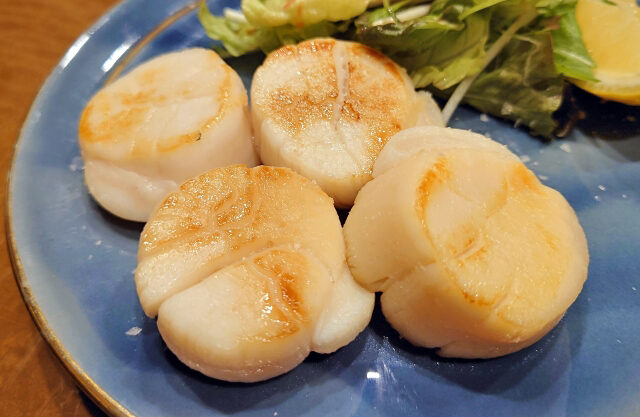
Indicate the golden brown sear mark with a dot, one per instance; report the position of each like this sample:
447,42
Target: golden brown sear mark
392,68
294,110
521,178
286,268
202,209
437,173
135,108
271,173
378,107
313,46
472,299
286,310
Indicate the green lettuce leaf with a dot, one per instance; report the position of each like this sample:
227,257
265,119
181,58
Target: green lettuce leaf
271,13
552,8
458,55
237,37
522,84
241,37
438,48
382,12
570,55
479,6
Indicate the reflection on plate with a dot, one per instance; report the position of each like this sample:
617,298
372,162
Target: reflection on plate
75,262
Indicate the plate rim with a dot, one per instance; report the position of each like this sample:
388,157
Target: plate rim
98,395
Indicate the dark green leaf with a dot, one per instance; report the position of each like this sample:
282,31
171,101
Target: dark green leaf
480,5
434,49
521,85
551,8
570,56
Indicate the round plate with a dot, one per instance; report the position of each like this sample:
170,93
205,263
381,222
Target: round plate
74,263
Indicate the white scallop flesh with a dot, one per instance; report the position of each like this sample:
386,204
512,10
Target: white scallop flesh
434,139
472,254
325,108
167,120
246,271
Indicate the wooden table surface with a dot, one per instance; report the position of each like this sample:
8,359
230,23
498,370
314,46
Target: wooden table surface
34,34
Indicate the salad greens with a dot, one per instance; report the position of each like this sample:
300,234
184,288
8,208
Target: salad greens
509,58
240,37
271,13
521,84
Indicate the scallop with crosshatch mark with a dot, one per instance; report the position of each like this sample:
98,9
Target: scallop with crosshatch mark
472,254
246,271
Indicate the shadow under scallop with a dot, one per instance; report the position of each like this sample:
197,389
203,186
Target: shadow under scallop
528,376
126,228
319,376
317,379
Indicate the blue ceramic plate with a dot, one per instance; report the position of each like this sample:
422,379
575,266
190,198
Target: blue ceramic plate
74,263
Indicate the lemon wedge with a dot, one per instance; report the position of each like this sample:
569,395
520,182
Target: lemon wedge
611,33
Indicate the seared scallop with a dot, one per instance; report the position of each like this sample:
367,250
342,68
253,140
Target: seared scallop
167,120
433,139
325,108
472,254
246,271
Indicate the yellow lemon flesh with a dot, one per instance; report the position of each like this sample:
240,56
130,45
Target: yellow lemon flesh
611,34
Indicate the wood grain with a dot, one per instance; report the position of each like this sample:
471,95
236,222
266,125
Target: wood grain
34,34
